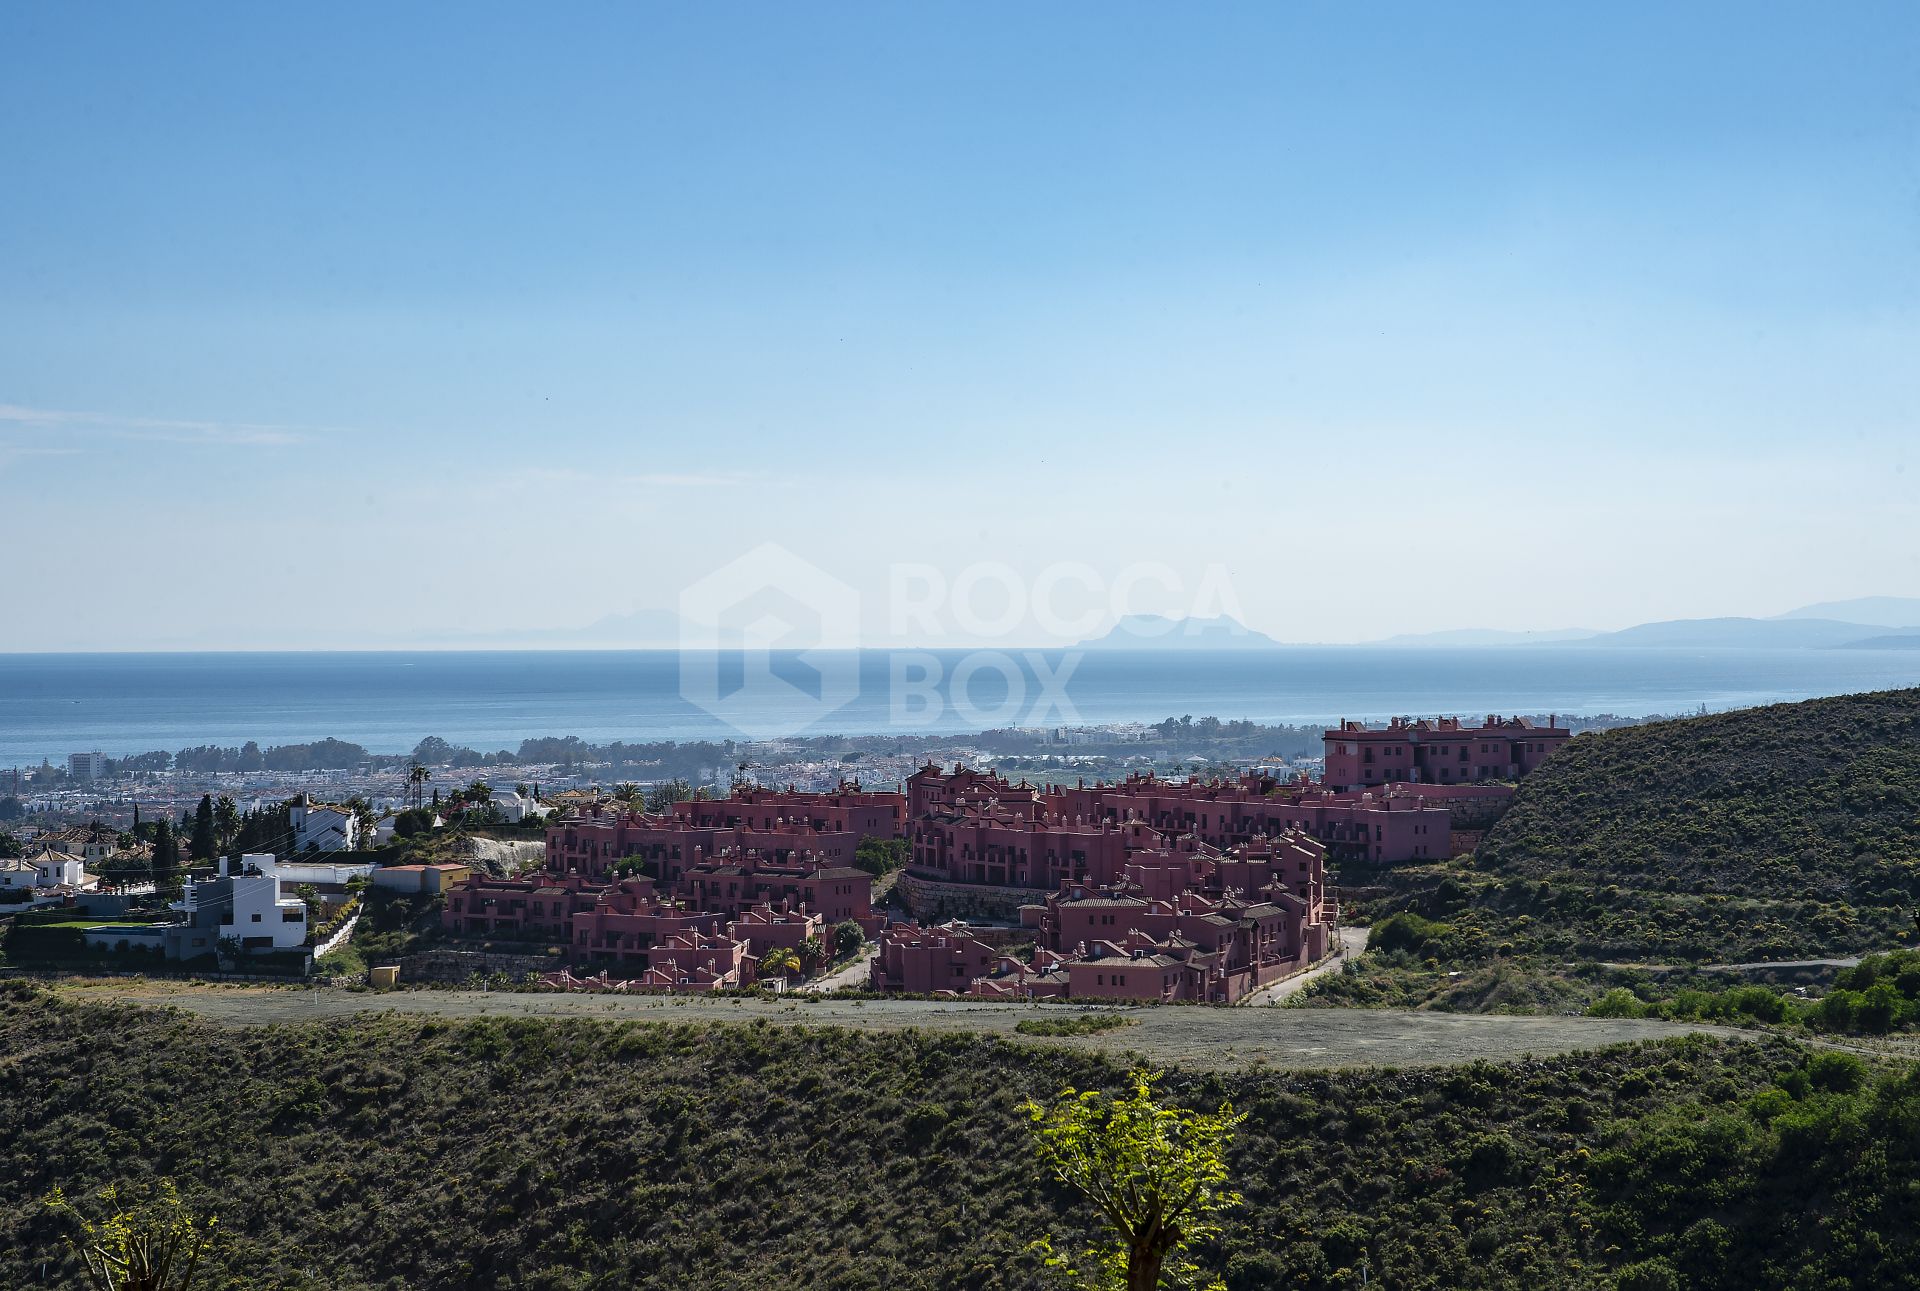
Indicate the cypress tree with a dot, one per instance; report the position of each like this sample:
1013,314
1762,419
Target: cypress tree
202,847
166,851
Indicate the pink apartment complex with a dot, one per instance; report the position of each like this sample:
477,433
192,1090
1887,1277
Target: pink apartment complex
1438,751
1148,888
975,827
781,825
757,871
1136,915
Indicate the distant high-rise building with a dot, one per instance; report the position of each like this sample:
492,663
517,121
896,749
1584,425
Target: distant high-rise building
87,766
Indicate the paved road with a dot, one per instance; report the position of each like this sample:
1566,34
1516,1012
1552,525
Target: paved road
1353,941
1186,1035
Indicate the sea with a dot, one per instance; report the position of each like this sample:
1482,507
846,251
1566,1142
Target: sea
55,704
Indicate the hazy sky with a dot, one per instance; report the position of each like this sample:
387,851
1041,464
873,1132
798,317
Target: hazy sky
334,323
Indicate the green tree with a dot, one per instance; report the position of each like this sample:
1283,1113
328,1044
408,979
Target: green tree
848,939
1157,1175
226,822
409,824
202,846
878,856
11,808
364,818
781,961
166,852
150,1245
661,797
1880,1008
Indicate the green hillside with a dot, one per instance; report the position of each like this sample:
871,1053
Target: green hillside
411,1155
1768,833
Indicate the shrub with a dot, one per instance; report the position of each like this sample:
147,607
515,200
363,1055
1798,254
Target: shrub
1618,1003
1406,932
1648,1275
1836,1073
1879,1008
1078,1024
1837,1011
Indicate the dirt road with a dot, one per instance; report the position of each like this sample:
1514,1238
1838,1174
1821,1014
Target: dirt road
1189,1036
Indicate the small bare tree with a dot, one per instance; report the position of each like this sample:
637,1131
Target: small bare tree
150,1245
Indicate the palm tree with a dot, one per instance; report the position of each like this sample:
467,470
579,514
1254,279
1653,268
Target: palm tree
417,777
781,961
226,820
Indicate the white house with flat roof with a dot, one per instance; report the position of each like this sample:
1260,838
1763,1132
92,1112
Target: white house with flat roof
322,827
263,919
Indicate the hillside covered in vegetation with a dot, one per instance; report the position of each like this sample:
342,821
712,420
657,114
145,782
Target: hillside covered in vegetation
1791,830
389,1153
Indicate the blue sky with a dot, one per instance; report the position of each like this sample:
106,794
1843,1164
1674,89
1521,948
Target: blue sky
397,324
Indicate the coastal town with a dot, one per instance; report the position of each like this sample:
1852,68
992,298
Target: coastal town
962,881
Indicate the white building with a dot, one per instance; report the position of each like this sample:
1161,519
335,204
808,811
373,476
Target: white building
249,907
87,766
517,809
322,827
323,875
46,870
263,919
88,842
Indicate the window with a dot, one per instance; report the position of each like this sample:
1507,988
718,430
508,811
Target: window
256,918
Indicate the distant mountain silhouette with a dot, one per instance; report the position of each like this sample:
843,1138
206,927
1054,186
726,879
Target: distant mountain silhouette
1157,632
1487,637
1874,611
1778,634
1883,643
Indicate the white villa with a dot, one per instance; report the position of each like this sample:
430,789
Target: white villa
517,808
322,827
46,870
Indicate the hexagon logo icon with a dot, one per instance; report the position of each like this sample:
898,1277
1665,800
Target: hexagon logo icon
768,643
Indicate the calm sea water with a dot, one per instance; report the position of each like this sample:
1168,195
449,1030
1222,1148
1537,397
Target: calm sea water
51,705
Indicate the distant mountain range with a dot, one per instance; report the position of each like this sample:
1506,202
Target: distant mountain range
1157,632
1861,624
1876,611
1776,634
1858,624
1885,643
1487,637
